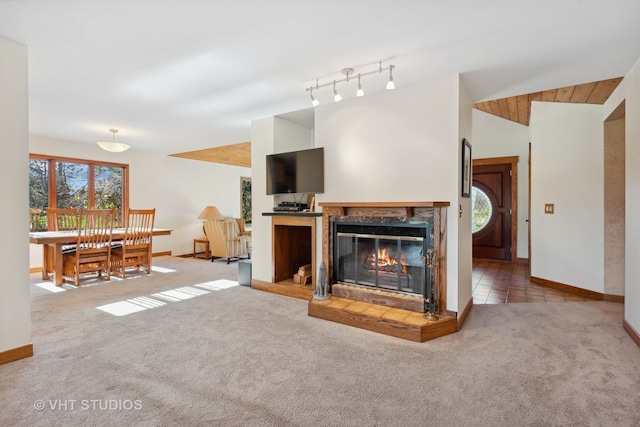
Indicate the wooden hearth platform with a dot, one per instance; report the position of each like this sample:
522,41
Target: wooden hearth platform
385,320
287,288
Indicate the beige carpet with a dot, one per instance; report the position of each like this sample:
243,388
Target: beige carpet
223,355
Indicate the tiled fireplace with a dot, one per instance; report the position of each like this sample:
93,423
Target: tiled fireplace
390,254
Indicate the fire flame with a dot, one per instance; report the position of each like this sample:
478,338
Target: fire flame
384,260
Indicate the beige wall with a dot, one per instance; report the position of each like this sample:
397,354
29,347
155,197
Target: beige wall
567,170
614,205
15,303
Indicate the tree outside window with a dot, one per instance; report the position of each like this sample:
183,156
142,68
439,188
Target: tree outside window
245,199
74,183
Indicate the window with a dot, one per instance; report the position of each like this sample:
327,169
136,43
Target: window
245,199
482,209
74,183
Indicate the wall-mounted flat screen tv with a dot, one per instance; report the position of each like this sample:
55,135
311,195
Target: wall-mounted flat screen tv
296,172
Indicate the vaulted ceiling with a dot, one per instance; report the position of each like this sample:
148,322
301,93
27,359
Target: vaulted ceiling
518,108
187,75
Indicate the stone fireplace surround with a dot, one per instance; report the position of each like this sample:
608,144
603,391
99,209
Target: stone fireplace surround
333,212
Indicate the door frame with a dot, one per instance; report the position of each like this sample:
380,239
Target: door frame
513,162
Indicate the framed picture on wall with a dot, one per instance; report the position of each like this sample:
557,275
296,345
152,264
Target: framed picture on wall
466,168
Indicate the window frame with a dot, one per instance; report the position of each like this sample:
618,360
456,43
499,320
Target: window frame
91,179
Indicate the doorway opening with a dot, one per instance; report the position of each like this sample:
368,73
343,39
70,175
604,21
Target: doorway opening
494,206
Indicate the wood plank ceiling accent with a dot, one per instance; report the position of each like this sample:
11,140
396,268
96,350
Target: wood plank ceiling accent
234,154
518,108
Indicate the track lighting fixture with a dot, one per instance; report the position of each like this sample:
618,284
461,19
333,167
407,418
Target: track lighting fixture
348,72
336,96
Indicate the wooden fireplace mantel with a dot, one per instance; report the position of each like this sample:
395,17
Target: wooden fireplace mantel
378,208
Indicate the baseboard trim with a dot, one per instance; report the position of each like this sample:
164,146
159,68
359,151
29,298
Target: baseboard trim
14,354
585,293
522,260
613,298
185,256
632,332
465,313
164,253
35,270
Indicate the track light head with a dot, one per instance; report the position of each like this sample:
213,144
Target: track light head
314,101
390,84
359,92
336,96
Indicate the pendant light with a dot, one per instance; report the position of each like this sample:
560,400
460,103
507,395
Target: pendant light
113,146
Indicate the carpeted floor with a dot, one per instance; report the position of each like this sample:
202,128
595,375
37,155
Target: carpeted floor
223,355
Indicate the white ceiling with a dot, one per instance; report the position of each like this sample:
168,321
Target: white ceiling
180,75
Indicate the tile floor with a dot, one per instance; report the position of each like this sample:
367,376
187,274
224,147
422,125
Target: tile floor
498,282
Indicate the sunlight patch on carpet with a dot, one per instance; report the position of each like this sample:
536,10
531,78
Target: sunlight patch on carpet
162,269
49,286
122,308
159,299
218,285
180,294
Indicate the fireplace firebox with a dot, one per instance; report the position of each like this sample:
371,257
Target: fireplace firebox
386,254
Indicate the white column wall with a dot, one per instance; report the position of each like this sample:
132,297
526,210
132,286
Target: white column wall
465,242
497,137
15,303
270,135
632,198
262,143
568,171
397,146
178,188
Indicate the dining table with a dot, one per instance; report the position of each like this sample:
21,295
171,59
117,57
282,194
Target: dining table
56,240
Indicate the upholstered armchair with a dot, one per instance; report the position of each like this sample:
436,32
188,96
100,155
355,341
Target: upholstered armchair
227,238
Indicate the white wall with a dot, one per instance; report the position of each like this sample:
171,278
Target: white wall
465,238
497,137
270,135
567,170
262,143
632,197
15,303
397,146
178,188
290,136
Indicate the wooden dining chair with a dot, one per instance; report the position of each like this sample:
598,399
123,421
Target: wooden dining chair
62,219
93,245
58,219
135,249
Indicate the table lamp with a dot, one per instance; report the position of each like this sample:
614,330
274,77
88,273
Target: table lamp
210,212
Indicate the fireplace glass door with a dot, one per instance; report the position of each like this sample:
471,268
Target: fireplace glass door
384,256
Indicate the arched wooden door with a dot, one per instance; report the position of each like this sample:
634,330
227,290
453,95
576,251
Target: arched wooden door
493,195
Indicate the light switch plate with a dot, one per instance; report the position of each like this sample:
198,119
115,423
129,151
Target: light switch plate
548,208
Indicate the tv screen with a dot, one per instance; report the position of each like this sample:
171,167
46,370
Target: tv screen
296,172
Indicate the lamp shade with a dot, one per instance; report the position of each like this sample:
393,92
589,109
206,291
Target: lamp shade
210,212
